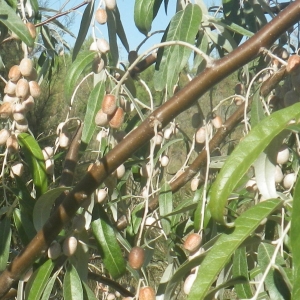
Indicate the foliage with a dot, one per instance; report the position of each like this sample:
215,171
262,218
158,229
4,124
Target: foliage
192,147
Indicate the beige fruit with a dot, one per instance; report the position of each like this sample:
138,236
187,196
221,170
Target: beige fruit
217,122
238,101
103,45
147,293
93,46
101,119
14,73
200,135
26,66
117,119
54,251
22,126
188,283
49,163
10,88
31,29
110,4
194,184
6,110
145,170
101,16
34,89
22,89
278,174
289,180
120,172
150,221
17,169
239,89
136,257
48,152
251,185
110,296
10,99
109,104
164,160
19,112
101,195
168,133
98,65
70,246
12,144
293,64
283,155
33,75
4,135
192,242
78,223
158,139
64,140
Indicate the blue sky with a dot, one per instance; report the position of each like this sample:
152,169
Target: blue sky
126,8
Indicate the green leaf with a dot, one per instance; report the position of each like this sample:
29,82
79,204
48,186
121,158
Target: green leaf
120,30
38,281
273,282
108,245
244,155
165,207
112,35
49,287
87,292
72,284
240,269
257,110
83,28
35,160
135,220
93,105
10,19
295,241
43,207
5,237
144,13
24,226
172,59
225,246
83,60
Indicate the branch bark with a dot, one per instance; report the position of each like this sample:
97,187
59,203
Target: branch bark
163,115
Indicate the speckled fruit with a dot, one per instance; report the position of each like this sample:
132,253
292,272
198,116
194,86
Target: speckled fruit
117,119
147,293
109,104
4,135
54,251
34,89
136,257
200,135
22,89
192,242
101,16
6,110
103,45
10,88
12,144
31,29
217,122
70,246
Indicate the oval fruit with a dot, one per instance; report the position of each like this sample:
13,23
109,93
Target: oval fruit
78,223
118,118
164,160
101,119
278,174
168,133
47,152
49,163
6,110
200,135
283,155
146,293
289,180
14,73
188,283
26,66
31,29
101,16
70,246
28,104
101,195
22,89
109,104
194,184
34,89
12,144
217,122
132,56
10,88
22,126
64,140
54,251
251,185
16,169
192,242
293,64
158,139
120,171
103,46
136,257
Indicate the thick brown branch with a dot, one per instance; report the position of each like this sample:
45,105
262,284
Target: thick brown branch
163,115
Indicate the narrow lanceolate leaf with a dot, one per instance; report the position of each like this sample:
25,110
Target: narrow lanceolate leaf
84,28
244,155
72,284
274,282
144,13
49,286
87,292
172,59
35,160
112,35
120,29
225,246
10,19
93,105
295,241
240,269
82,61
165,207
5,236
257,110
44,205
107,243
38,281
